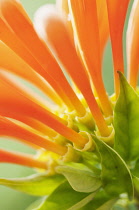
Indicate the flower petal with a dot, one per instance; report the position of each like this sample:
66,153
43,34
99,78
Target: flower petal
63,8
103,23
14,104
21,159
85,25
40,52
132,42
116,13
10,129
10,39
17,83
16,65
52,24
36,125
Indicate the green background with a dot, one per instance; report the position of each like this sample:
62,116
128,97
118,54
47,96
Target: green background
10,199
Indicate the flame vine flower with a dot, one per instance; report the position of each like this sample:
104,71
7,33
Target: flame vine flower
87,142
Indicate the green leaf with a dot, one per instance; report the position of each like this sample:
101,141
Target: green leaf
136,183
83,202
64,197
36,204
108,205
80,177
126,121
116,177
37,185
101,198
92,161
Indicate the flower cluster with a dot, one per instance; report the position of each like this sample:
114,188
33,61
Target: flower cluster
87,143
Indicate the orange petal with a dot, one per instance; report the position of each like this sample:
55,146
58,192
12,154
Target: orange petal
13,103
84,14
10,129
17,20
85,25
21,159
116,13
63,8
68,57
103,23
23,95
48,9
10,39
19,85
39,127
15,64
132,42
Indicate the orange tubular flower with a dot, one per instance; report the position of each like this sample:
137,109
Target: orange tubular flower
85,25
23,114
102,20
8,128
46,55
53,99
103,24
20,68
133,45
117,13
18,158
40,53
63,8
65,54
13,102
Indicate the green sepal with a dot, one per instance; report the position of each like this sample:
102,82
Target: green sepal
80,177
101,199
64,197
108,205
92,161
36,203
126,122
116,177
37,184
83,202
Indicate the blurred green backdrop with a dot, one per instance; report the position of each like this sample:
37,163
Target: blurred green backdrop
10,199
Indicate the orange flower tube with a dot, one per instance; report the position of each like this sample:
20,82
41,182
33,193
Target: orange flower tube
132,42
18,66
13,103
66,54
117,10
85,25
21,159
10,129
40,52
